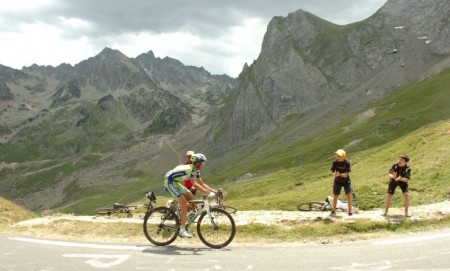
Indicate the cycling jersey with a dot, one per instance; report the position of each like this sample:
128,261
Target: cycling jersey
188,182
175,178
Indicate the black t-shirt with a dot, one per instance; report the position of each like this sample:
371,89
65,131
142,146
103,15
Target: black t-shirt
404,172
341,167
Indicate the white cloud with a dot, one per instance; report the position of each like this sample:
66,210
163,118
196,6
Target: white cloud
41,43
221,37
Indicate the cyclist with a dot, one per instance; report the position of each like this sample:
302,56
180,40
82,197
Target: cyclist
198,180
173,184
188,157
188,182
399,175
340,169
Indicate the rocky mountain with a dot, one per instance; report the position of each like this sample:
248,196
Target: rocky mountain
318,70
147,87
72,117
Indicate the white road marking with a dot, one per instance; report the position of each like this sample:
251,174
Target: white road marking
366,266
411,239
73,244
94,259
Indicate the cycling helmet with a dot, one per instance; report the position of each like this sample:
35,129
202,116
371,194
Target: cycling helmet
198,157
341,152
189,153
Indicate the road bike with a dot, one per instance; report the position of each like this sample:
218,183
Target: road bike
326,204
215,226
120,208
219,199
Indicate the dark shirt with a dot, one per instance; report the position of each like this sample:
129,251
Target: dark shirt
404,172
341,167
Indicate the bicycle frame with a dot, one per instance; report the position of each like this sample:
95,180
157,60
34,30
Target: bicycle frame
205,207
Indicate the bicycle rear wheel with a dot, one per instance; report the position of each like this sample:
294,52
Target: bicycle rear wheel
104,211
217,232
161,226
311,206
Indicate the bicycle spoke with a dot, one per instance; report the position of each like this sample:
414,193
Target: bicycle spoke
161,226
216,233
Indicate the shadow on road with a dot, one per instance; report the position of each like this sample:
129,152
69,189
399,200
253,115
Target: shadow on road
175,250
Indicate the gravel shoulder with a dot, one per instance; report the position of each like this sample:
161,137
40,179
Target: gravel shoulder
265,217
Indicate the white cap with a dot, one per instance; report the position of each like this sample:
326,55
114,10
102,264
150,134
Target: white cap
189,153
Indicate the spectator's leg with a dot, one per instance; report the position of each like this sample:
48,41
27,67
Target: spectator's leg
349,202
406,203
388,203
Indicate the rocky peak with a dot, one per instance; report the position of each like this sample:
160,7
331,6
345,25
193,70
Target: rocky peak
111,70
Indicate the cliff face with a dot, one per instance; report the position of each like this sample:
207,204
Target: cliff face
306,63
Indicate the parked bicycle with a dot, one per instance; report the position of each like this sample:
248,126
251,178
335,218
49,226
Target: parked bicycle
326,204
219,199
120,208
215,226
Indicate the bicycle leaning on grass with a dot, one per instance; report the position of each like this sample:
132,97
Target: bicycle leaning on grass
219,198
326,204
215,226
120,208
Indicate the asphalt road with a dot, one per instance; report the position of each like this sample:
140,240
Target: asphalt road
428,251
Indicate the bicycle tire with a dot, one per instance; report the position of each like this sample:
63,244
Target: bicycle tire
161,226
229,209
221,233
312,206
104,211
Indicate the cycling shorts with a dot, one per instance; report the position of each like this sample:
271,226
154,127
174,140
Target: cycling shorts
176,189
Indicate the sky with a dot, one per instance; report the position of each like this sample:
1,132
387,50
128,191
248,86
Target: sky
220,36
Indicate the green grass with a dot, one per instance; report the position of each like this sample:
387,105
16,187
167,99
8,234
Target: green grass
284,189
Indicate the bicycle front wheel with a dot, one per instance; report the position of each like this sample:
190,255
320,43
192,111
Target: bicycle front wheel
229,209
311,206
161,226
218,231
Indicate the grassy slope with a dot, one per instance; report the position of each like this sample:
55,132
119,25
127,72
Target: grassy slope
284,189
11,213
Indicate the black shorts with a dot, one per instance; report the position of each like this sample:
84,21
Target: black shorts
338,186
393,184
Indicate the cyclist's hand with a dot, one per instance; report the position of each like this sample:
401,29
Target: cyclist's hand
211,195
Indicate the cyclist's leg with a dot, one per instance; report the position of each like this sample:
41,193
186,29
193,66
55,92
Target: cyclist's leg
177,191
